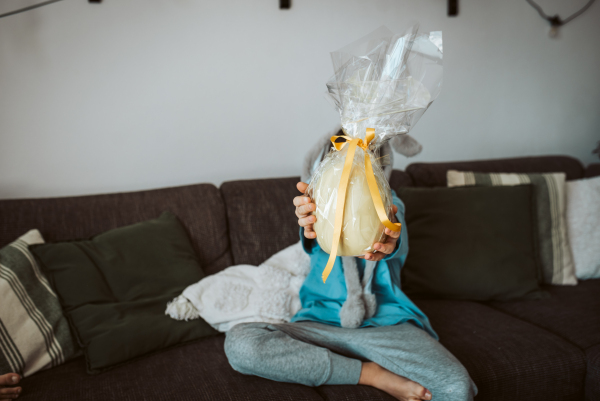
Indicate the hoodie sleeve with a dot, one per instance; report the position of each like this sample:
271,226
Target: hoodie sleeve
402,244
307,244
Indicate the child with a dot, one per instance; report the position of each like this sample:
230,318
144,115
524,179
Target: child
394,349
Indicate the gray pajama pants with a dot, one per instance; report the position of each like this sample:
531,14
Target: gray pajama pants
315,354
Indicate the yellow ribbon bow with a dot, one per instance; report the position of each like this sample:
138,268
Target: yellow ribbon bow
341,195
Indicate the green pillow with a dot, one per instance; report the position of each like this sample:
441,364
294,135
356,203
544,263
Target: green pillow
114,288
475,243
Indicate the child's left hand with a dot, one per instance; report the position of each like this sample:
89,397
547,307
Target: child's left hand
386,246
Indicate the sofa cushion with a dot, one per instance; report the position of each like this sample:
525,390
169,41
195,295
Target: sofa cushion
592,380
199,207
195,371
571,312
593,170
261,218
508,359
434,174
518,362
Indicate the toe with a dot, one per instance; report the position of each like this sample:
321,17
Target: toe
9,391
419,392
425,394
9,379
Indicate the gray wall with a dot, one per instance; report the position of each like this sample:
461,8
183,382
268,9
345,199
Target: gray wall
135,94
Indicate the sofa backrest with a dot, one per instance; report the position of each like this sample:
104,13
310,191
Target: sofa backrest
434,174
244,222
260,217
400,179
593,170
199,207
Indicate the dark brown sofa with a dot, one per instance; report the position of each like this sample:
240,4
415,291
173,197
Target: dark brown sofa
523,350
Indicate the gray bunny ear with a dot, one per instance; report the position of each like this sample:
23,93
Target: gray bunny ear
406,145
387,155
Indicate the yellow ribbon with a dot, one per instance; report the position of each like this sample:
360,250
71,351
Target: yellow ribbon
341,195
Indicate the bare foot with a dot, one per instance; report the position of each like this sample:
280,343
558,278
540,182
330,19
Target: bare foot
398,387
9,393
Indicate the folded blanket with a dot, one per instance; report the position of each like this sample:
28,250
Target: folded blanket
244,293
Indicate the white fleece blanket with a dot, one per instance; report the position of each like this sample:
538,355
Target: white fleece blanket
244,293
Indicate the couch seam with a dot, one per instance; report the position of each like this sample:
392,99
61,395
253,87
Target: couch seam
229,242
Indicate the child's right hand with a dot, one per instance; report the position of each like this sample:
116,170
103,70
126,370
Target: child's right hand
304,207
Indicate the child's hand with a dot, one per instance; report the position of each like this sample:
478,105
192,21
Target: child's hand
304,207
385,247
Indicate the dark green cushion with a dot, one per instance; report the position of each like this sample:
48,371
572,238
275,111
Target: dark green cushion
114,289
475,243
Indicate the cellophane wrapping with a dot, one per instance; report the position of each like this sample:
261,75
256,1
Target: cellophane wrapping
384,81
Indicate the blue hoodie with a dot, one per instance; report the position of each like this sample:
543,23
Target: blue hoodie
322,302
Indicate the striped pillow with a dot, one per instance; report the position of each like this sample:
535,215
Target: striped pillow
34,334
554,249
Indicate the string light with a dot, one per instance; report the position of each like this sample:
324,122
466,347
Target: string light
44,3
555,21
